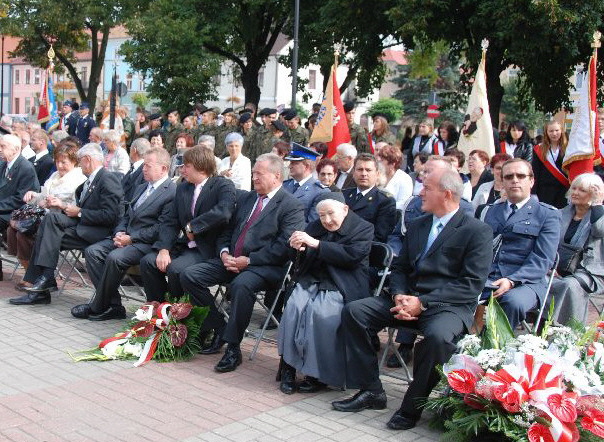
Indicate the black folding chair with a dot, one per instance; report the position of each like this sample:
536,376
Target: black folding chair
544,305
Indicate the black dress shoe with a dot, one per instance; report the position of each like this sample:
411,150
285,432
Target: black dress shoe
363,400
406,352
215,344
288,379
42,284
311,385
230,360
32,298
113,312
399,421
81,311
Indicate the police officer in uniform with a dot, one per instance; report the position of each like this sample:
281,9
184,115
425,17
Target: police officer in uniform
366,200
85,124
302,184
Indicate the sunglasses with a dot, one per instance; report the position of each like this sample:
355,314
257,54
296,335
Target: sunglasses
520,176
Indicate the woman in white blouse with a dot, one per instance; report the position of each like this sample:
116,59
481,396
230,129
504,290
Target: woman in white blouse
117,159
236,167
57,192
397,182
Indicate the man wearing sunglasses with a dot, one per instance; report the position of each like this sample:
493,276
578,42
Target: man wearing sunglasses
529,231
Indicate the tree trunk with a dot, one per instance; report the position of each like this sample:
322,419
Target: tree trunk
494,68
249,81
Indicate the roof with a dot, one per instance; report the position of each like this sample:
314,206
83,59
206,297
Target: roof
395,55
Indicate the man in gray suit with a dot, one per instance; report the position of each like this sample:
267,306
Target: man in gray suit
133,238
253,250
302,184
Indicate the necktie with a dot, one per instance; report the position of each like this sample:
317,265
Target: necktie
85,188
195,196
296,186
514,207
144,196
358,197
253,217
434,232
7,172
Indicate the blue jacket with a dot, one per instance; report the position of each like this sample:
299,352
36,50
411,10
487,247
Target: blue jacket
307,194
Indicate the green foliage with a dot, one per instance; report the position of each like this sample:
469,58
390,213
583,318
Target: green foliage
141,99
392,107
498,330
70,27
517,105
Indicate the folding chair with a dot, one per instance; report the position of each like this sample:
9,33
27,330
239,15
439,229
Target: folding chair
72,258
599,296
545,305
128,276
270,317
380,258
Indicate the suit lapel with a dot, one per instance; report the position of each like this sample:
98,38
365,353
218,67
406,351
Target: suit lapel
365,200
447,231
91,187
3,179
207,187
270,206
246,211
418,242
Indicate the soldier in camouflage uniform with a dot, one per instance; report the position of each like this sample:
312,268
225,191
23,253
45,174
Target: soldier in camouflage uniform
173,131
358,135
246,129
208,127
261,139
297,133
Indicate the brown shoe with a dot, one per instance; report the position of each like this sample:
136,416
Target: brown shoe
22,285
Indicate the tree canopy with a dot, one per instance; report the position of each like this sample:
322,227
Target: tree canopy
70,27
545,39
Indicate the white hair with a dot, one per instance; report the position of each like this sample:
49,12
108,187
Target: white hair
13,140
233,137
141,146
6,121
112,136
93,150
591,183
275,163
59,135
347,150
450,180
208,141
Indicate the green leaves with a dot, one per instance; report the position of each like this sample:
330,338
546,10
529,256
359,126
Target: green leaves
498,330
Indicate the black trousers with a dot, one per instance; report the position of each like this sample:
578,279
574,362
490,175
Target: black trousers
364,317
243,286
56,232
106,264
154,281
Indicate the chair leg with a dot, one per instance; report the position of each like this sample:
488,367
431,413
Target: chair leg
391,347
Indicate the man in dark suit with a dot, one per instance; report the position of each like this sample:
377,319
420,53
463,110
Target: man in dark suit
135,177
530,231
133,238
97,210
346,153
434,284
253,251
84,124
202,208
302,184
69,121
369,202
43,161
17,176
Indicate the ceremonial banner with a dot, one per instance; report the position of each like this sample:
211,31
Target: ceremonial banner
477,130
47,113
583,151
331,127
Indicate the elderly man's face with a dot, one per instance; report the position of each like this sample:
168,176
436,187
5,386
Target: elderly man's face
432,195
264,179
332,215
8,151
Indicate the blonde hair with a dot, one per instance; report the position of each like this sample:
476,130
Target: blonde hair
590,182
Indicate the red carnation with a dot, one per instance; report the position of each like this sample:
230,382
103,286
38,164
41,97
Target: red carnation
180,310
462,381
178,334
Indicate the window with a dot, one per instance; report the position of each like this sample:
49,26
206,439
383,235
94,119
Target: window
312,79
216,79
129,81
36,80
141,82
27,76
84,74
17,110
27,104
17,76
261,78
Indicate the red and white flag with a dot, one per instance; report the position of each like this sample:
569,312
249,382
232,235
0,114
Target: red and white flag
583,152
331,127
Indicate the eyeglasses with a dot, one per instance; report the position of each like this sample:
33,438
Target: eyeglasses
520,176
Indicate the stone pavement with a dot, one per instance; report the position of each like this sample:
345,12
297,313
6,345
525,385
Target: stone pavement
44,396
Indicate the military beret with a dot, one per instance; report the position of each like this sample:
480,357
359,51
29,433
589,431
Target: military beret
155,116
348,106
227,110
381,114
288,114
279,125
267,111
245,117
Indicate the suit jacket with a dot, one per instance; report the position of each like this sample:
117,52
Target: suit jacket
307,195
344,254
348,182
529,240
131,181
101,206
213,211
21,178
377,207
547,188
452,273
144,223
267,240
43,166
72,122
589,235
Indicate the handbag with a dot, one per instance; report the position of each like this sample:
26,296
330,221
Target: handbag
570,257
27,218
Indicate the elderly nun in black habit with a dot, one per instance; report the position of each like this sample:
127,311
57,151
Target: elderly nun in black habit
331,259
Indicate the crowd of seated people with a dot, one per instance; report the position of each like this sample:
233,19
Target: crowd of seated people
199,204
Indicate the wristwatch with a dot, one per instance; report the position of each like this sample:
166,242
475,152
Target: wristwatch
188,228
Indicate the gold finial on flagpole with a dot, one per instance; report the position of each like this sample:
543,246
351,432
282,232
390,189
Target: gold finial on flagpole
51,55
484,44
597,37
336,55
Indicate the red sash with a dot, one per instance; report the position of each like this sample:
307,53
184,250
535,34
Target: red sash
370,140
552,169
435,147
502,147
